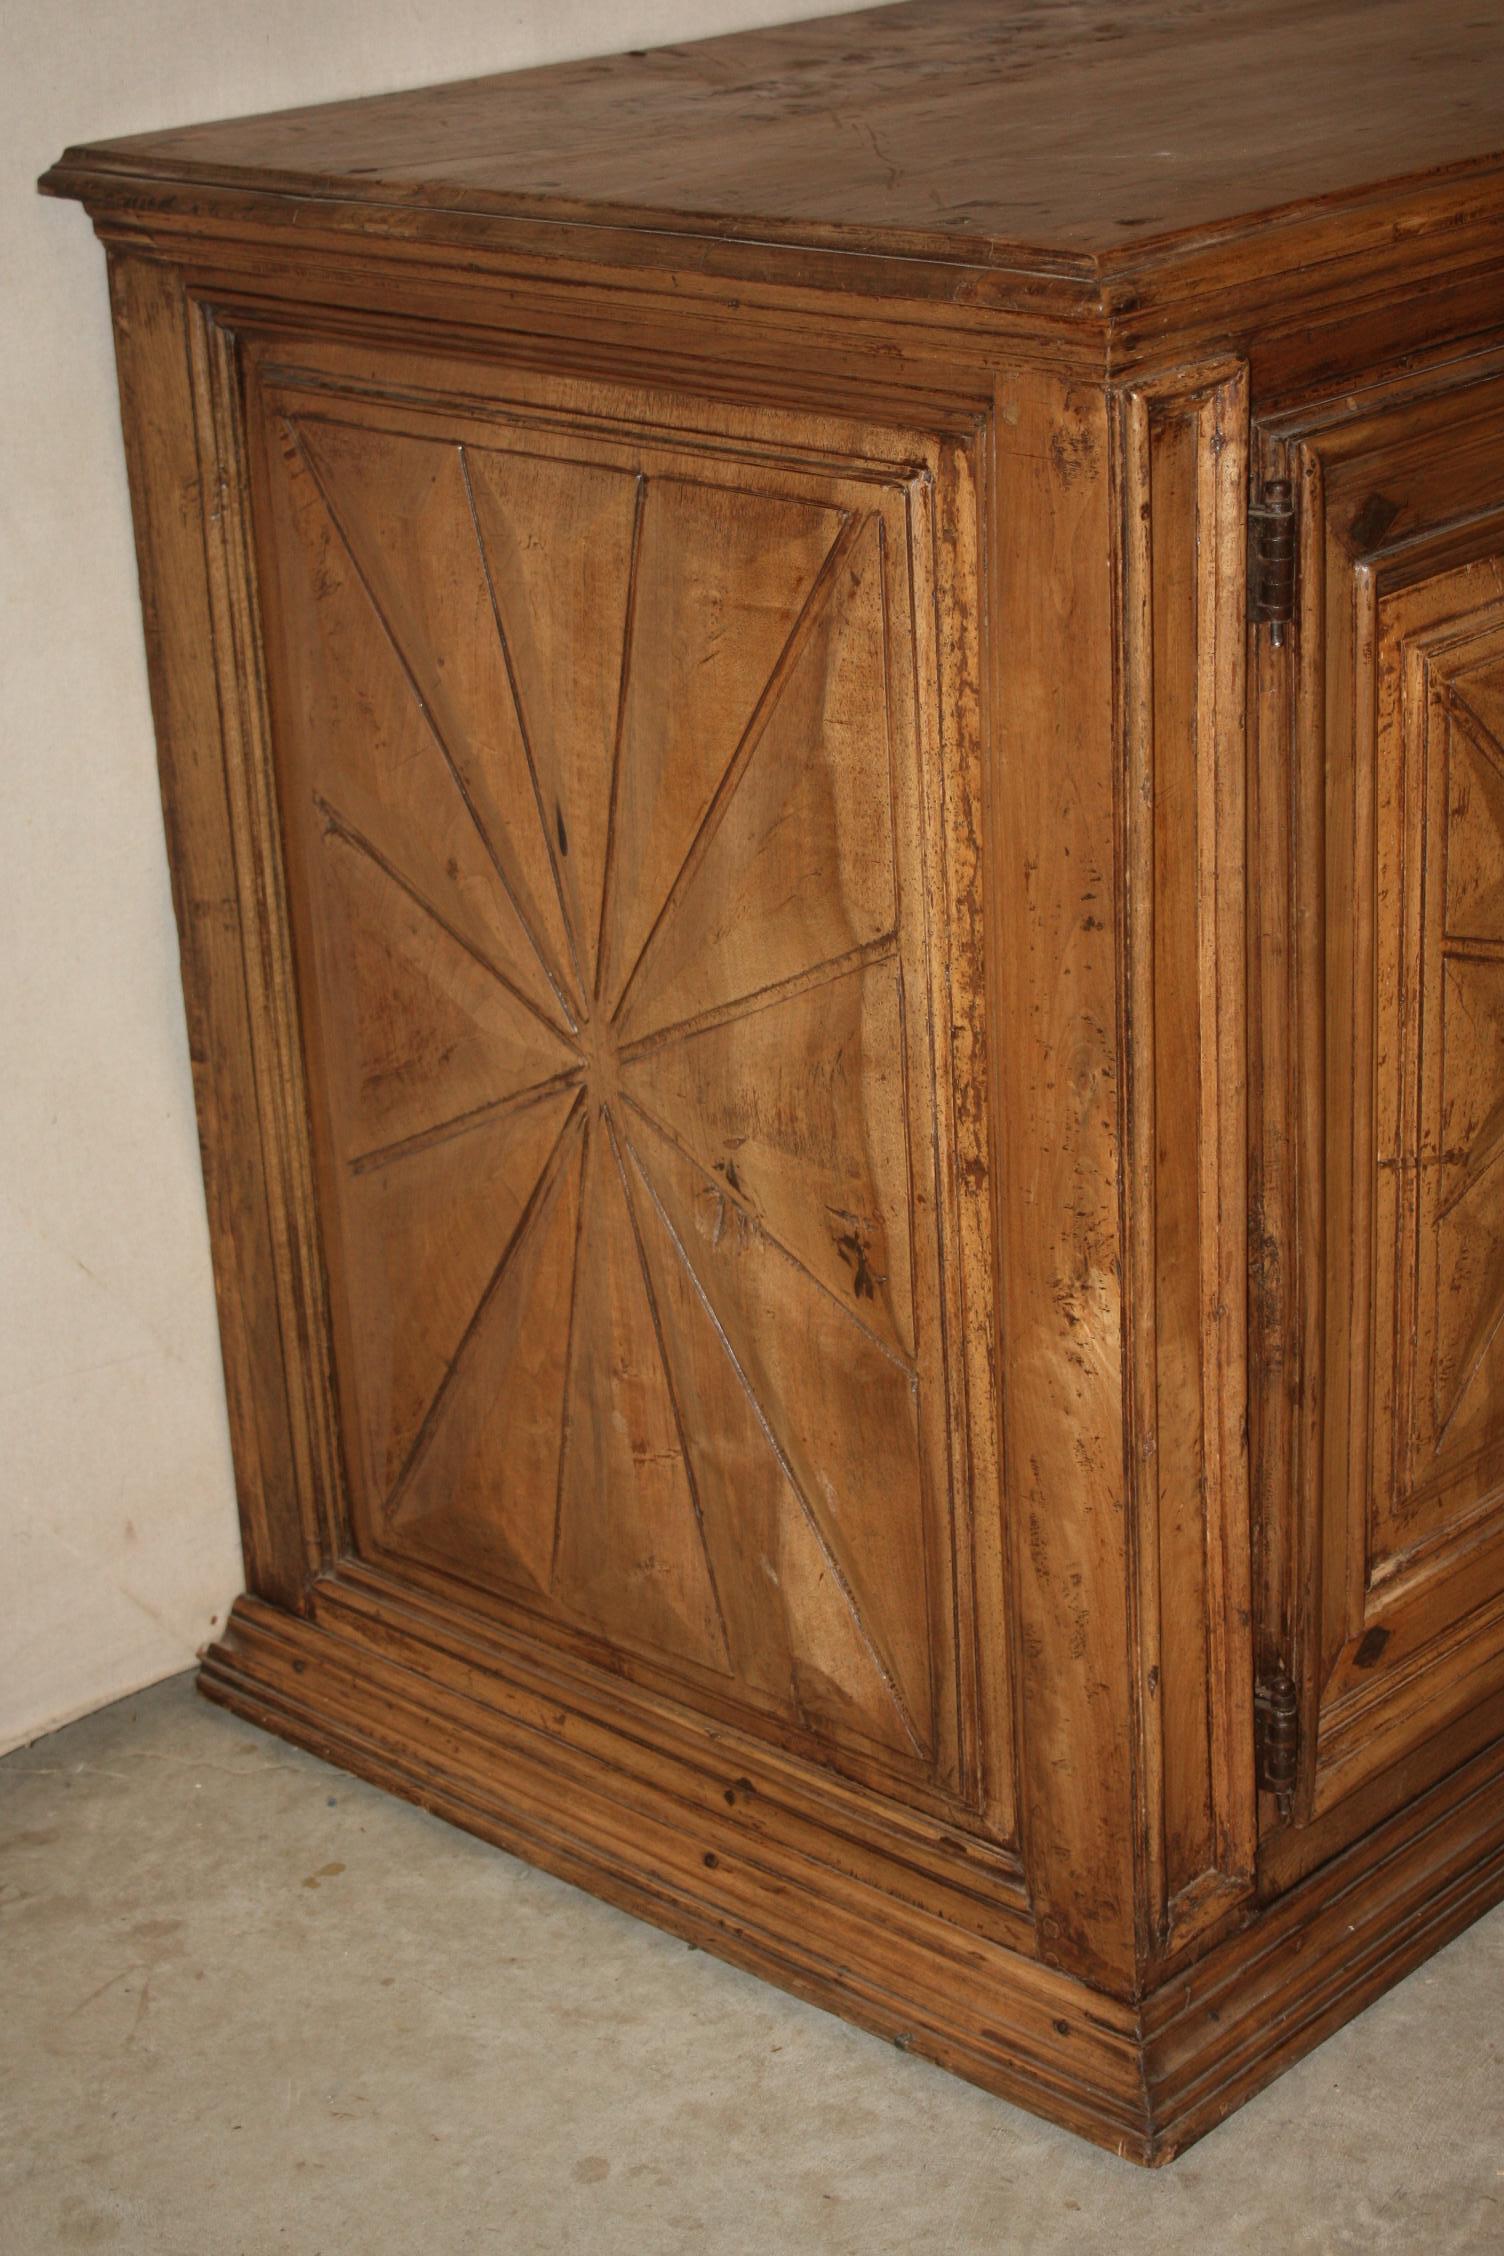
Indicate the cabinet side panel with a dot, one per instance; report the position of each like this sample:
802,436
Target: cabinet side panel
171,464
612,741
1054,813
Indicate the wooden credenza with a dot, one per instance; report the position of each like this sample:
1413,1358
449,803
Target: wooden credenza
832,723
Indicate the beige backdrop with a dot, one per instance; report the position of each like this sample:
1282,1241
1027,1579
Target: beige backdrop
118,1549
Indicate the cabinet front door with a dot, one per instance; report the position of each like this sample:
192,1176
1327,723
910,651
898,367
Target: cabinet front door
1383,1496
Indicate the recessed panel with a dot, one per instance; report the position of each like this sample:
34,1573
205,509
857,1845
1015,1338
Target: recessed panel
600,765
1442,1025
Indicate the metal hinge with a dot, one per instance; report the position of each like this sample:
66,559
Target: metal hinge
1277,1707
1271,557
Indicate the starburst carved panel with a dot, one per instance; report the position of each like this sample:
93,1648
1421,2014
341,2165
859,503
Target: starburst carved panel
600,763
1381,1452
1441,1211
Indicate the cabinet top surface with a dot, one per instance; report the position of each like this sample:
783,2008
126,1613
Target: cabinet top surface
1059,132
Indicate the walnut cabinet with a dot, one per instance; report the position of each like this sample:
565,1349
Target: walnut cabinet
832,726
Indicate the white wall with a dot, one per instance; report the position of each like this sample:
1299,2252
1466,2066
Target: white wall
118,1549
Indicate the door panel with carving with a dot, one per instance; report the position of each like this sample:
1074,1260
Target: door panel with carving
609,764
1387,1586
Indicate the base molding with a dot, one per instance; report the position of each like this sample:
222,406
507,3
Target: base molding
942,1968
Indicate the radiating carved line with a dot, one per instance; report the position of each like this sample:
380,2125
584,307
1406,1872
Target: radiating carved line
357,840
1485,1332
566,1390
1480,739
1487,1145
823,974
493,852
478,1116
810,611
673,1394
909,595
723,1191
525,734
1465,724
538,1200
838,1572
627,635
1473,726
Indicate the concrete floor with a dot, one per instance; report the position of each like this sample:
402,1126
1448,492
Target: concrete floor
248,2005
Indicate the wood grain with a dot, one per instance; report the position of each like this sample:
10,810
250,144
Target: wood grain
946,124
1058,993
1184,476
852,1136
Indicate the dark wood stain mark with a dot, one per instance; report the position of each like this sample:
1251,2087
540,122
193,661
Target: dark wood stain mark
852,1245
1373,521
1370,1647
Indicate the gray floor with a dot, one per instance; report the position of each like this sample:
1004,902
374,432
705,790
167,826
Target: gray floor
248,2005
